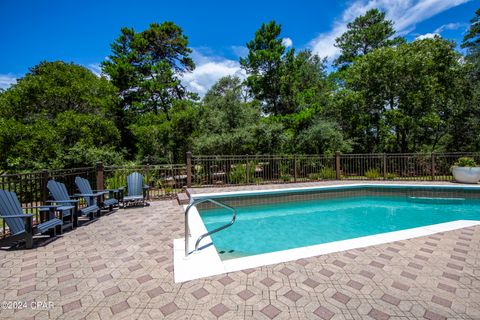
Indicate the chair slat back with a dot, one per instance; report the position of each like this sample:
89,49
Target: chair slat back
135,184
84,187
58,190
9,205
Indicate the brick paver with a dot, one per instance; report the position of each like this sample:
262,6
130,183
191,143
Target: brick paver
121,266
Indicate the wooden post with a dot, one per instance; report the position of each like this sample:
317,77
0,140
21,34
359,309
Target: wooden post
99,175
384,166
189,169
337,165
433,166
44,185
294,168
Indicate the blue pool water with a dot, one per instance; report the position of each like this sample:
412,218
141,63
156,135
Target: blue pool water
273,227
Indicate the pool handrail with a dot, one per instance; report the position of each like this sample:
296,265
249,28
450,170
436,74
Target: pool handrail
200,238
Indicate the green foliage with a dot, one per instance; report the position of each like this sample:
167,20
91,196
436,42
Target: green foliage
391,176
365,34
58,116
322,137
398,99
387,96
327,173
372,173
465,162
283,81
238,173
147,66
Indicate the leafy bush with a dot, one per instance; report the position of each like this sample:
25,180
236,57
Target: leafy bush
286,177
465,162
238,174
372,174
391,176
327,173
314,176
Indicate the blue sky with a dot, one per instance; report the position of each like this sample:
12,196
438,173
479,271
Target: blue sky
81,31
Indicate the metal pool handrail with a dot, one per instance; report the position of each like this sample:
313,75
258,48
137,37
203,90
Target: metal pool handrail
198,201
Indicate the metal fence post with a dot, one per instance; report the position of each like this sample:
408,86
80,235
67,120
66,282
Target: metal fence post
44,185
247,170
294,168
433,166
337,165
384,166
99,175
189,169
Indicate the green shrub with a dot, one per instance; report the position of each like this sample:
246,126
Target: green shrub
327,173
314,176
391,176
238,173
372,174
465,162
286,177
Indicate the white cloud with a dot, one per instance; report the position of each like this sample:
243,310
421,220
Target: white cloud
208,70
6,80
240,51
404,13
427,36
287,42
450,26
95,68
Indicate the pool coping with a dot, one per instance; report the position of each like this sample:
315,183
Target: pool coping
206,262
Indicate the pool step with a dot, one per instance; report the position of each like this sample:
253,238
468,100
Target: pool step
183,199
436,200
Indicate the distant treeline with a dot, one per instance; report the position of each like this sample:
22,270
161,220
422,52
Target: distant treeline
384,95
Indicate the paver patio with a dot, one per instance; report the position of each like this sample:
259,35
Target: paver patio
122,267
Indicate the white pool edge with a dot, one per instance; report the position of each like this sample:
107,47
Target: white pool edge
207,262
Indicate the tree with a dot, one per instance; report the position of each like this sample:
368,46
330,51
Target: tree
471,41
226,120
50,88
365,34
58,115
402,99
303,82
147,67
466,123
263,65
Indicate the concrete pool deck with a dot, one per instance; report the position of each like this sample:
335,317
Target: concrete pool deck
121,267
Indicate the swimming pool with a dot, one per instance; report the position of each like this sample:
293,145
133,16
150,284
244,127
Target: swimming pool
275,226
275,221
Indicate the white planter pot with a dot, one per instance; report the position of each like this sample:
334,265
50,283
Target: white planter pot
466,174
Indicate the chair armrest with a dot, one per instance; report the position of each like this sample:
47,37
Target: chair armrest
42,207
23,216
63,201
105,191
88,194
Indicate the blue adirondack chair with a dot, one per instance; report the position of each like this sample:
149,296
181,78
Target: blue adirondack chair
60,196
90,196
136,190
21,224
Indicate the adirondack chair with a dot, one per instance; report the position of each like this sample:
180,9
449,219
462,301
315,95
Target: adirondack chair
21,224
136,190
90,196
60,195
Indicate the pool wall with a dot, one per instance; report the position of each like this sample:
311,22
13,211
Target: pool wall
242,199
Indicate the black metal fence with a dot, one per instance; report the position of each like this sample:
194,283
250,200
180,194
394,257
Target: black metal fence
217,170
165,181
268,169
